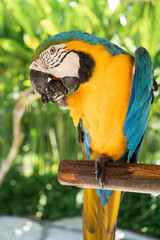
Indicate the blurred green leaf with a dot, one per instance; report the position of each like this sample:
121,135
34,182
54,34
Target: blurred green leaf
14,48
49,27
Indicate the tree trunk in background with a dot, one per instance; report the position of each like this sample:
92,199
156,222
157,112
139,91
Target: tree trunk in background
18,112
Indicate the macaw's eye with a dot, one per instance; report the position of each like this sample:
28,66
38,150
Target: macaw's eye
52,50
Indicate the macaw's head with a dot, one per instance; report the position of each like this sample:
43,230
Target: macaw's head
57,68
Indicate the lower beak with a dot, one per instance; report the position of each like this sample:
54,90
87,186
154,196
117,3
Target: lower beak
39,81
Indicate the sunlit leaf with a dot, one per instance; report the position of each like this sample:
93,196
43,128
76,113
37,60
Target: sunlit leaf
21,16
49,27
31,42
14,48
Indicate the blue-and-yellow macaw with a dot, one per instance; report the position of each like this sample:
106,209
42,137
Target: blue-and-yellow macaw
110,97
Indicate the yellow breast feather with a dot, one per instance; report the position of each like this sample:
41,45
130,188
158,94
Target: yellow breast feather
102,102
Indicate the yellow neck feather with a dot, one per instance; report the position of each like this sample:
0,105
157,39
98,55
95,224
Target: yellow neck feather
102,102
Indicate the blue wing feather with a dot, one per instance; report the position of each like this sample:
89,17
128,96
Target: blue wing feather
135,124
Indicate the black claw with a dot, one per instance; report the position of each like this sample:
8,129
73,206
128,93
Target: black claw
100,171
54,91
97,167
80,133
100,161
44,99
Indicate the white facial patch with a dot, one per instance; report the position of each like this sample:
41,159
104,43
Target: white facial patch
56,61
68,67
48,58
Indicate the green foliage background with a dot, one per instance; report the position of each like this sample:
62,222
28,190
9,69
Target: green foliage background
30,187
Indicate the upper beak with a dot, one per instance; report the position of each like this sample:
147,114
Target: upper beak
39,80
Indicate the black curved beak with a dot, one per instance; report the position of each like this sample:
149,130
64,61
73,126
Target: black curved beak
39,81
51,90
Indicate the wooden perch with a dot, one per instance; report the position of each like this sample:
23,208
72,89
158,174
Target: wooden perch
142,178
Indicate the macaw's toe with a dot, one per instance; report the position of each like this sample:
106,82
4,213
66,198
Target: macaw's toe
54,92
100,161
44,98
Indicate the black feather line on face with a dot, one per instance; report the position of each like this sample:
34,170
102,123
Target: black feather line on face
86,66
54,62
59,50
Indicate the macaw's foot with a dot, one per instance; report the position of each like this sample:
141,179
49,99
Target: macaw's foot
100,161
54,92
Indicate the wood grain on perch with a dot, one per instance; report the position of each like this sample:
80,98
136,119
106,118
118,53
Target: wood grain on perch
142,178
